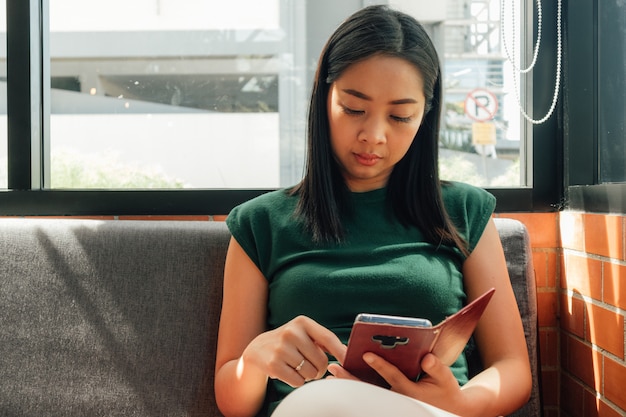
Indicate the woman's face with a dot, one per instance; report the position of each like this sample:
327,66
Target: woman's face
375,108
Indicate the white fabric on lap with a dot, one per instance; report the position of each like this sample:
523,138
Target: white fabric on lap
348,398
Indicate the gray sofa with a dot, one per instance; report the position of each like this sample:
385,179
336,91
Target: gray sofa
119,318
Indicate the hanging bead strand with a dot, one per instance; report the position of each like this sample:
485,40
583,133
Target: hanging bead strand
509,56
517,71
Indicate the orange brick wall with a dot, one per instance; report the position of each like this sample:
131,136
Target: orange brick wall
593,306
580,267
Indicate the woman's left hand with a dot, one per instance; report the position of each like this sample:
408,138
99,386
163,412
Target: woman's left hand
437,386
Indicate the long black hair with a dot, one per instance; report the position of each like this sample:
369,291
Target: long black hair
414,188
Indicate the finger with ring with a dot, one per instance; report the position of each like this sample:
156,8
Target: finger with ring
300,365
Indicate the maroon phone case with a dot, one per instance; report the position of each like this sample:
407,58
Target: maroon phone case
405,346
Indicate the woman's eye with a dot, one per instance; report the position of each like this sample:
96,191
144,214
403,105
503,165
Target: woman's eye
401,119
351,112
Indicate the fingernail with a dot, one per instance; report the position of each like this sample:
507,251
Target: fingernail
428,361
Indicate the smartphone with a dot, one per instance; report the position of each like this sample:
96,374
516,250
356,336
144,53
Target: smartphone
403,341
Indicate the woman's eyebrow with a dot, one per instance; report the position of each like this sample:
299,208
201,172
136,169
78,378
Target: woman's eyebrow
364,96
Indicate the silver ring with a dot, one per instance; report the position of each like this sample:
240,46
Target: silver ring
297,368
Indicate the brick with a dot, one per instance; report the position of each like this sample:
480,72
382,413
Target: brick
595,407
166,217
542,228
582,361
603,235
572,315
572,399
614,382
615,285
547,303
72,217
548,346
604,410
545,264
550,387
572,230
590,404
583,275
606,329
553,270
560,277
540,265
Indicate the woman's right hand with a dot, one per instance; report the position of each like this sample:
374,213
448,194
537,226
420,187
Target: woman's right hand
248,354
293,353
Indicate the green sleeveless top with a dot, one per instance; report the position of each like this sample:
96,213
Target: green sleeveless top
381,267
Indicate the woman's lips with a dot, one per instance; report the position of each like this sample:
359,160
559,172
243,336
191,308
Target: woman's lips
367,159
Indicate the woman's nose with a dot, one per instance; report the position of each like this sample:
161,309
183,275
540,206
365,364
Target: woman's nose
373,130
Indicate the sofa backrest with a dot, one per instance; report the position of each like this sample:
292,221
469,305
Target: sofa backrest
109,318
119,318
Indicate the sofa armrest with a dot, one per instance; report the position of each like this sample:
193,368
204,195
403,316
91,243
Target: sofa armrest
518,254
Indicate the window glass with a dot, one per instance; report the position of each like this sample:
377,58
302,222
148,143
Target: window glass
482,135
612,91
184,94
3,97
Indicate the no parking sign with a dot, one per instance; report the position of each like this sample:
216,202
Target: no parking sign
481,105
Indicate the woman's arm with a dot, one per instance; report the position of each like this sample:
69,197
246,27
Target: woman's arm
506,381
248,354
239,390
505,384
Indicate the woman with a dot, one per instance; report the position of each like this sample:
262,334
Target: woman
370,228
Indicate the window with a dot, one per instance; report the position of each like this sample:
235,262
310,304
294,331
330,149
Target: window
170,105
168,97
168,93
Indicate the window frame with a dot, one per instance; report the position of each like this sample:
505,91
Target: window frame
26,98
584,190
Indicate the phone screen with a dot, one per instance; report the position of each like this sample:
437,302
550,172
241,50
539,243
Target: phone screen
394,320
